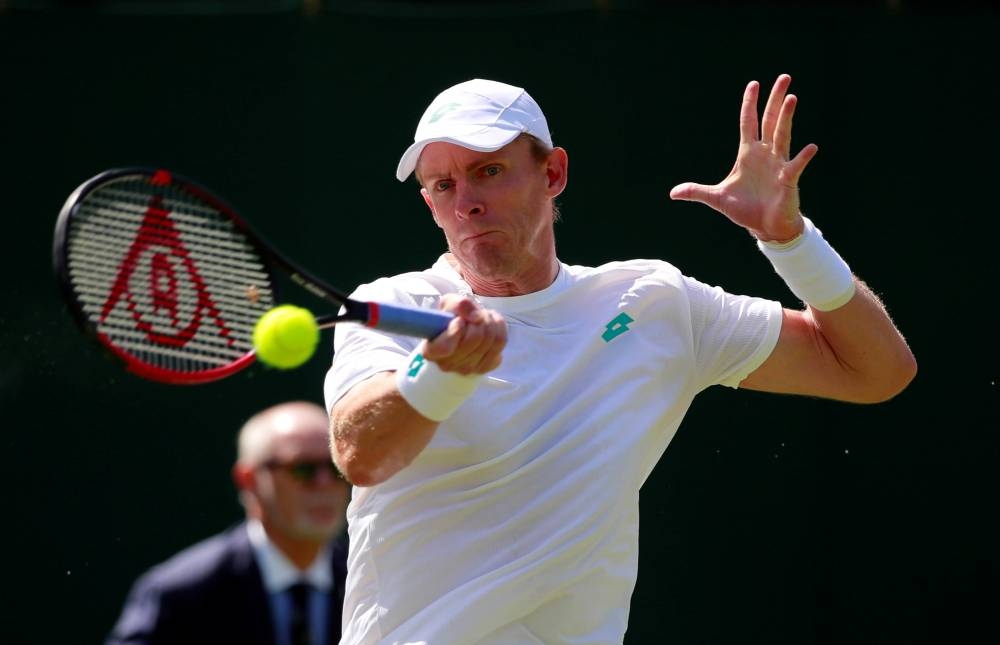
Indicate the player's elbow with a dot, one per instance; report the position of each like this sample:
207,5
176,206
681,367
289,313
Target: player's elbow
358,476
362,471
363,463
370,478
903,376
890,381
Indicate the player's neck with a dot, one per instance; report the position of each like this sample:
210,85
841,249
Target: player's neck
537,278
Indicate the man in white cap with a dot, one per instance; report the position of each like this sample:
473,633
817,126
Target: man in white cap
497,467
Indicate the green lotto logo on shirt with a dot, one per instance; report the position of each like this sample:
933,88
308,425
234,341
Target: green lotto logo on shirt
617,327
415,366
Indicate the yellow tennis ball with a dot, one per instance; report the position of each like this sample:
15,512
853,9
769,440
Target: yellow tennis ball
286,336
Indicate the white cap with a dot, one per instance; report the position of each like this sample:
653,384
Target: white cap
478,115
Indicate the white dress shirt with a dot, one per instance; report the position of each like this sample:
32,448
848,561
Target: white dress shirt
279,574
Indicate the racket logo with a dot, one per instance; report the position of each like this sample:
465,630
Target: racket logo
169,262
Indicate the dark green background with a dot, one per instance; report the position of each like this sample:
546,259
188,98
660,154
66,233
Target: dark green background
770,519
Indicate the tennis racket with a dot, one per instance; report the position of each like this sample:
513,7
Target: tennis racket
169,278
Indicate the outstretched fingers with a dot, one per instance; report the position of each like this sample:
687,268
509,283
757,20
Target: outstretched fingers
793,169
774,108
783,128
748,113
692,192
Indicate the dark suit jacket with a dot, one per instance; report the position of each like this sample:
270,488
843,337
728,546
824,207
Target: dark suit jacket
211,592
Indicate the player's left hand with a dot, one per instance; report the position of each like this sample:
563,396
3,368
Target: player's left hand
761,191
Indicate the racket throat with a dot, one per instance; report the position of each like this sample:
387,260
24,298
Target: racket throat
366,313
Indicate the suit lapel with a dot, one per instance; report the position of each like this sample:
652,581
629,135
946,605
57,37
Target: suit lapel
257,619
338,563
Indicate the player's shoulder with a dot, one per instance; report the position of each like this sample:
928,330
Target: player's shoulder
628,271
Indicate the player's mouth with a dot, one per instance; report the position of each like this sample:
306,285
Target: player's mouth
476,237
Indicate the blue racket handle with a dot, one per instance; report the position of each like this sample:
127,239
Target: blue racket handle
410,321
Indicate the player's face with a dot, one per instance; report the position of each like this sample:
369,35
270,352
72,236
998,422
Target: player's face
496,211
300,494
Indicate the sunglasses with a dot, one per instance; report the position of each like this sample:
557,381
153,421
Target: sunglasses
305,471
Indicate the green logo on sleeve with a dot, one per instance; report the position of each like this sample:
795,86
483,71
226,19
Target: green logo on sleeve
617,327
415,366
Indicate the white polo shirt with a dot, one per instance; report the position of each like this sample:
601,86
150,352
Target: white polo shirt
519,522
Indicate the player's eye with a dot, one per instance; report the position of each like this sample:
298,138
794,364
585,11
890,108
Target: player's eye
442,186
491,171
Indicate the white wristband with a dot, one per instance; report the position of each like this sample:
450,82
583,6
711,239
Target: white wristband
432,392
812,269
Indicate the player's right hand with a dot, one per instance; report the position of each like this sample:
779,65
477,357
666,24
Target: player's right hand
474,340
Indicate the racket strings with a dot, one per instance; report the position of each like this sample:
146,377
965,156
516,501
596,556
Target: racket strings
165,276
234,263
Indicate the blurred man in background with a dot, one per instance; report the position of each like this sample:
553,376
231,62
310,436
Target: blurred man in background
276,578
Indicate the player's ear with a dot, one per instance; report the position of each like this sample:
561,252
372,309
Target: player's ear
427,200
557,171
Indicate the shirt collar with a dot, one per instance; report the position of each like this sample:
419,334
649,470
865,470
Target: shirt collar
278,571
506,304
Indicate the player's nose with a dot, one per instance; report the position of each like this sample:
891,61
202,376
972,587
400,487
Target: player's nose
468,201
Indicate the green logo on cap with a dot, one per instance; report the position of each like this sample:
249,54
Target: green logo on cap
441,111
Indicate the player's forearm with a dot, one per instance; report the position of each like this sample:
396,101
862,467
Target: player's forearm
850,353
844,345
375,432
873,354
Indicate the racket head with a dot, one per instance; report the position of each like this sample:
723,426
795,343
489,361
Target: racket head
163,273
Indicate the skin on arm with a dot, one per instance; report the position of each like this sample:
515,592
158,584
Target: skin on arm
375,433
853,353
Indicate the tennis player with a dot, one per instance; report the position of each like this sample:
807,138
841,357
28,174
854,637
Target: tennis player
497,467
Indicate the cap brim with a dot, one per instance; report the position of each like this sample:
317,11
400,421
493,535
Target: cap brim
482,140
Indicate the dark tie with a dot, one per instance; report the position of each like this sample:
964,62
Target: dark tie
298,624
